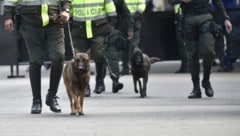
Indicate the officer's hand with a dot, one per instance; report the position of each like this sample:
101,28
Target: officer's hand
186,1
64,16
9,25
130,35
228,25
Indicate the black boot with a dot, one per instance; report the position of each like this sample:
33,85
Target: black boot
196,93
52,102
208,88
35,80
116,86
51,98
100,74
100,87
36,106
206,84
88,91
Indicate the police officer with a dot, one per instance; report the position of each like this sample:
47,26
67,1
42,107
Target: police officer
40,28
136,8
232,39
200,40
179,22
92,22
117,41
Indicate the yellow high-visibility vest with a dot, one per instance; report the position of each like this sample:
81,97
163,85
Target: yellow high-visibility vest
136,6
91,10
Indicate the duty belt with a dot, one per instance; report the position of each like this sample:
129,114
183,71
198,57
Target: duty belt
195,12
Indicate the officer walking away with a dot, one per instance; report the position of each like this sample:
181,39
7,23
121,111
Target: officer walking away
118,41
41,30
200,40
136,8
92,22
179,24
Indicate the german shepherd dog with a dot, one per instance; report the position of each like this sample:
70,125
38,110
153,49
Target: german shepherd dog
76,77
140,66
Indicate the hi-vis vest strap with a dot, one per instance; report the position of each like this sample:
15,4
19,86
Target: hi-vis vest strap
91,10
177,9
136,6
44,6
44,13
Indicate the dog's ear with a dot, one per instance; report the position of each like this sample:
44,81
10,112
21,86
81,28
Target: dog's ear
135,48
88,52
76,51
85,56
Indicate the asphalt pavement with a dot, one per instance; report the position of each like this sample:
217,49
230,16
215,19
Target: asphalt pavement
166,111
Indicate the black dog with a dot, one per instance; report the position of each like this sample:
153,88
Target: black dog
140,66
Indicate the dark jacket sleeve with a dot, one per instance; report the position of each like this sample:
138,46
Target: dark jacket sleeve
219,6
8,12
127,17
66,4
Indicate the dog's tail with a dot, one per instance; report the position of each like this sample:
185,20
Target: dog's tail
154,59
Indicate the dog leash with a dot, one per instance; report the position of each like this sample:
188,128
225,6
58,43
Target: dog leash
109,68
106,59
70,37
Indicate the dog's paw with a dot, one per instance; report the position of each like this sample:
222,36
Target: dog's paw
73,113
80,113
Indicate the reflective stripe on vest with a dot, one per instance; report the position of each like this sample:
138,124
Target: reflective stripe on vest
30,2
136,6
89,29
10,2
39,2
44,6
91,10
44,14
177,9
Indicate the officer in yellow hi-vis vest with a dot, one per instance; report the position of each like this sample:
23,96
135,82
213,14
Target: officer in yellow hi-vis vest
92,21
40,27
136,7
